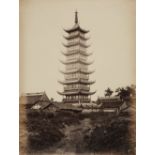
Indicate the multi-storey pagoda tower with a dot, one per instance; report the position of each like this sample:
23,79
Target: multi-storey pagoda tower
76,83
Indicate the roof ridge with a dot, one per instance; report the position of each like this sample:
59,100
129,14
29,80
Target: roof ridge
33,94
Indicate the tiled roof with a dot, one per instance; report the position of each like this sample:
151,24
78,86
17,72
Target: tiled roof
112,102
75,28
65,106
33,98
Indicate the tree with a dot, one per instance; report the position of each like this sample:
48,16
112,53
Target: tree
132,90
126,93
52,100
122,93
108,92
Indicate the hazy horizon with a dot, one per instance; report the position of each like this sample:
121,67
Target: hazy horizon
112,39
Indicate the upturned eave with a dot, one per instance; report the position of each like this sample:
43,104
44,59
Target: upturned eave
76,61
78,71
76,43
79,81
79,92
76,27
69,37
75,52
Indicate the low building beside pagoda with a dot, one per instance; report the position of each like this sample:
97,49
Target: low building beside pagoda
37,101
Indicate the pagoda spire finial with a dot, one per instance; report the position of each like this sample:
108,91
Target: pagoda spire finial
76,17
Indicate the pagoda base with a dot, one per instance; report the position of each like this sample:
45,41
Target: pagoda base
76,101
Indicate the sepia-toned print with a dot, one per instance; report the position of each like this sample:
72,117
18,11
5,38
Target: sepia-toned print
77,77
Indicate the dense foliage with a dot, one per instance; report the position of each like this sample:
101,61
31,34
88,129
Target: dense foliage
92,132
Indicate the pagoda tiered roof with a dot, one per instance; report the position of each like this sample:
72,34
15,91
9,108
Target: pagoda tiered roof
76,81
78,70
78,92
75,52
87,100
80,81
77,35
76,27
76,43
77,60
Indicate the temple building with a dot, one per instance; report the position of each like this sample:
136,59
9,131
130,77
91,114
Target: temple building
37,100
76,82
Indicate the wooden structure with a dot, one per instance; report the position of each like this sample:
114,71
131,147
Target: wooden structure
110,104
76,83
34,100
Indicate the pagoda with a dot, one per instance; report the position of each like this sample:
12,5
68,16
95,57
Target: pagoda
76,74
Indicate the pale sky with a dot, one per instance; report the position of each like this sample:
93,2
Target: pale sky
112,38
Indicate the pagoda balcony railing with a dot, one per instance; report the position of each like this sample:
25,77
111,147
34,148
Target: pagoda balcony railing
84,78
72,68
76,42
75,58
75,100
76,88
77,69
76,33
73,50
76,62
76,73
